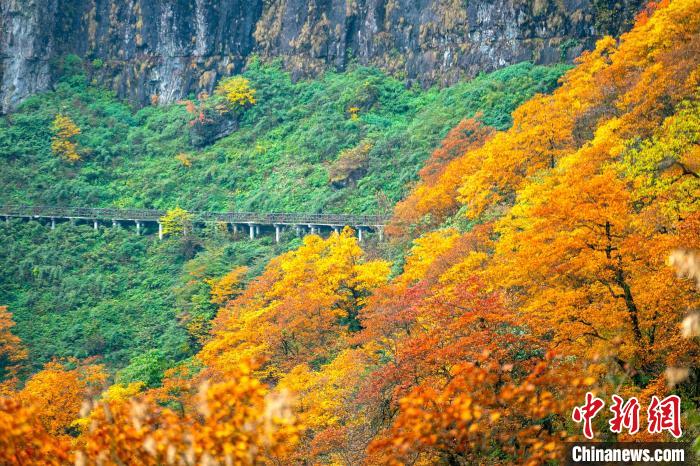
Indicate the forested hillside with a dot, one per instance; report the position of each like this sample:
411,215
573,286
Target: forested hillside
348,142
533,258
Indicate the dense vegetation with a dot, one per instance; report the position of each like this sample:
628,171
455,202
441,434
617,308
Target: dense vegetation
109,294
279,158
550,259
113,295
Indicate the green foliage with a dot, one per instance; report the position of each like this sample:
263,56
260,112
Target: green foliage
111,294
133,301
279,158
77,292
147,368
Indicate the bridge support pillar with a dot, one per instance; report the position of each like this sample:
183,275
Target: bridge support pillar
94,224
277,233
72,221
138,227
252,230
359,234
257,230
335,229
312,229
380,230
114,223
234,227
297,230
53,223
160,230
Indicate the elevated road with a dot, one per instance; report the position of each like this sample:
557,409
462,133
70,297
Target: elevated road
254,221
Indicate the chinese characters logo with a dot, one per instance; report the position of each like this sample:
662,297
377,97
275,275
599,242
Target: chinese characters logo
662,415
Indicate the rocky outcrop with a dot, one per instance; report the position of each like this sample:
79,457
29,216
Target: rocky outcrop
166,49
26,48
212,127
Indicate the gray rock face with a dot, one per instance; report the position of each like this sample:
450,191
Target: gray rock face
25,50
165,49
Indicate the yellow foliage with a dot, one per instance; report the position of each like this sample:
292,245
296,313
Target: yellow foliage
11,349
237,91
58,393
425,250
63,141
354,113
176,222
24,439
121,392
660,165
184,159
577,207
238,421
302,307
323,395
228,286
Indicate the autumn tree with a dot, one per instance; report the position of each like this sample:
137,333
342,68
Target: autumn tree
57,393
237,421
63,141
590,186
237,92
301,309
177,222
24,439
442,372
588,242
477,346
484,412
11,350
227,287
435,196
197,319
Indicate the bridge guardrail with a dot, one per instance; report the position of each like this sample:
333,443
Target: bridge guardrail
154,215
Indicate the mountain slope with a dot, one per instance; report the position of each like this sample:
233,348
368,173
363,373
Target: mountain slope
111,294
280,157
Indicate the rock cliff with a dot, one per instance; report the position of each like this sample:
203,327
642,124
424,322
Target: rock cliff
165,49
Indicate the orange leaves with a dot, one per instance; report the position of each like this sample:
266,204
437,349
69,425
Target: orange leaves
295,321
574,212
24,440
57,394
591,189
481,405
302,308
639,82
34,422
425,251
11,350
235,422
228,286
435,197
644,15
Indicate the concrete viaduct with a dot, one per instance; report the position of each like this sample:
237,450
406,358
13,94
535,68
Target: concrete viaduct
254,223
